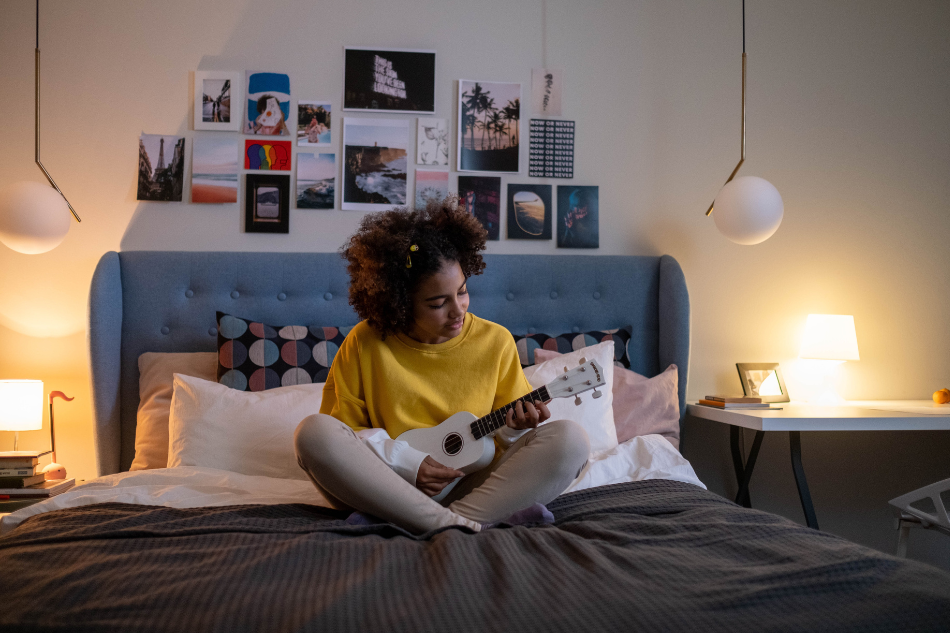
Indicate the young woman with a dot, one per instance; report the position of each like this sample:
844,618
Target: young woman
418,357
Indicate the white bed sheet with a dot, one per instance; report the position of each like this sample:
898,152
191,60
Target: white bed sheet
644,457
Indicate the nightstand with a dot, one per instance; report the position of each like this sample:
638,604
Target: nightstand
794,417
12,505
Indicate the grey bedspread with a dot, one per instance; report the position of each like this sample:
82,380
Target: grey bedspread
646,556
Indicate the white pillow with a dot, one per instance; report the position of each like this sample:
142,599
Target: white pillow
156,370
251,433
596,416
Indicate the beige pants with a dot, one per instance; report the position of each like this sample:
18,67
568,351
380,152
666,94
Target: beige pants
535,469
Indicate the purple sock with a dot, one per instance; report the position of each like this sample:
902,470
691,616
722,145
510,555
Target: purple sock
533,514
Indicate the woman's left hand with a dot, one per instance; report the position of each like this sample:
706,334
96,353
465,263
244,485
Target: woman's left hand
528,416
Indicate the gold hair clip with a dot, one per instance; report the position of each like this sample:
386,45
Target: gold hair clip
412,248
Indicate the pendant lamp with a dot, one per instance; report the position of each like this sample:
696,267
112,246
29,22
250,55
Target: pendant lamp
33,217
748,209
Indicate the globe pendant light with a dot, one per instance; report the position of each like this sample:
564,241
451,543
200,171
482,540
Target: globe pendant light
33,217
748,209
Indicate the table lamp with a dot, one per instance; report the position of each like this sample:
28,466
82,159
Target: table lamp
21,407
828,341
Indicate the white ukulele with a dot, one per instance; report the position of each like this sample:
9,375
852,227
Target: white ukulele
465,442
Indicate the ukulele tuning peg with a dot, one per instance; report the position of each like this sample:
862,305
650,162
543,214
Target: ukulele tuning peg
597,394
577,401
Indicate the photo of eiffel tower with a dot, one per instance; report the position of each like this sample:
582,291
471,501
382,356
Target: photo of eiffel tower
164,181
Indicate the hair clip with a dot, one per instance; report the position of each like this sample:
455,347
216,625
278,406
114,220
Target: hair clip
412,248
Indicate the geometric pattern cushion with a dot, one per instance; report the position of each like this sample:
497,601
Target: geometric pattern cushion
255,356
571,341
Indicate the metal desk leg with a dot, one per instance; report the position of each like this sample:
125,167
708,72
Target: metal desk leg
795,442
742,497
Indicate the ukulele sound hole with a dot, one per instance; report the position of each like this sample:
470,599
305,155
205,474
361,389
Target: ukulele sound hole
452,444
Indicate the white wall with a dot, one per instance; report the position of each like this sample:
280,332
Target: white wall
847,106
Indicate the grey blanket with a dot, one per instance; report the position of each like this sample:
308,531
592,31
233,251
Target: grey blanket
647,556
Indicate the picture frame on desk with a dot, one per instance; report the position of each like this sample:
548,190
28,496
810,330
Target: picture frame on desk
763,380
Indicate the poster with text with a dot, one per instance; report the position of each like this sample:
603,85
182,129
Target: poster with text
488,131
546,86
394,80
481,196
529,212
578,223
374,163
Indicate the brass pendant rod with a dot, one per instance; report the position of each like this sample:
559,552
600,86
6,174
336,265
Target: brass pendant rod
39,163
742,133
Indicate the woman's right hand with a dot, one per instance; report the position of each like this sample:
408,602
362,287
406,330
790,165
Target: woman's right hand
433,477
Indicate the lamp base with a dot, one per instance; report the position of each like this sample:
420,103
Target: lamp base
54,471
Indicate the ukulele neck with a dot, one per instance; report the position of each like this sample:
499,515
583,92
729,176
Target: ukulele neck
496,419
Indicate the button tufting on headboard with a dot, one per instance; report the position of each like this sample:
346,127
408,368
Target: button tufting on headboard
532,330
165,329
511,296
235,294
575,329
596,295
212,331
328,296
189,293
281,297
554,294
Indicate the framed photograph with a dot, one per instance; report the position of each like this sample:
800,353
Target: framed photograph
488,132
313,123
481,196
161,167
214,168
763,380
392,80
215,92
316,181
374,163
432,141
431,185
267,204
577,217
268,104
529,212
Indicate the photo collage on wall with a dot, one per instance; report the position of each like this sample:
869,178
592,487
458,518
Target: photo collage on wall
285,140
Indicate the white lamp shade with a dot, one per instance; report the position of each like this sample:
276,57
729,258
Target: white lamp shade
21,405
829,337
34,218
748,210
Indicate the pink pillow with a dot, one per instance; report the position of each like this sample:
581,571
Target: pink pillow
642,406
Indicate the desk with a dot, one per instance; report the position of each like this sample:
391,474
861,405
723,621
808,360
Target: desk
795,417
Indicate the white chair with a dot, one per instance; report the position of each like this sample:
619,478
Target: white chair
923,508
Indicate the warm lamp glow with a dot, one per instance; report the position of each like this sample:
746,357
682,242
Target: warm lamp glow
34,218
21,405
748,210
829,337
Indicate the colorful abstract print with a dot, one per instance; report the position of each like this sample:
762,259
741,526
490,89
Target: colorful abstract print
572,341
267,155
254,356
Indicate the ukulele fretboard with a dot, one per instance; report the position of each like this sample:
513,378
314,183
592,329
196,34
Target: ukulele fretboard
496,419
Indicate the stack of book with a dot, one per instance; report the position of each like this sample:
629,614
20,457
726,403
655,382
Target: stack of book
736,402
21,477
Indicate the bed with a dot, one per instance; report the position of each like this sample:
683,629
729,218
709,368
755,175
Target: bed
656,554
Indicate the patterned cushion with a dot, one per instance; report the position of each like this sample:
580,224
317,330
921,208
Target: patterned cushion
564,343
255,356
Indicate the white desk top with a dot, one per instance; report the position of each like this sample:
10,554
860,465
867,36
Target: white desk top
855,415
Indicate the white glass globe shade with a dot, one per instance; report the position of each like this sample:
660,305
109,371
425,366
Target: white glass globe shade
34,218
748,210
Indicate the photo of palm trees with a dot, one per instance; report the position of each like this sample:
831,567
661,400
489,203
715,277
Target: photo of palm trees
488,126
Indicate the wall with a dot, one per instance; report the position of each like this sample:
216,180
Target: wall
847,105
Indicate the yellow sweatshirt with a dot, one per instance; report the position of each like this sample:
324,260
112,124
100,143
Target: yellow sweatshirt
399,384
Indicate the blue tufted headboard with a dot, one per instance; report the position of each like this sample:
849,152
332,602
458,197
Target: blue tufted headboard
151,301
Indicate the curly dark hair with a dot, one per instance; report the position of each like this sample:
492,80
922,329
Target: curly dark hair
381,285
